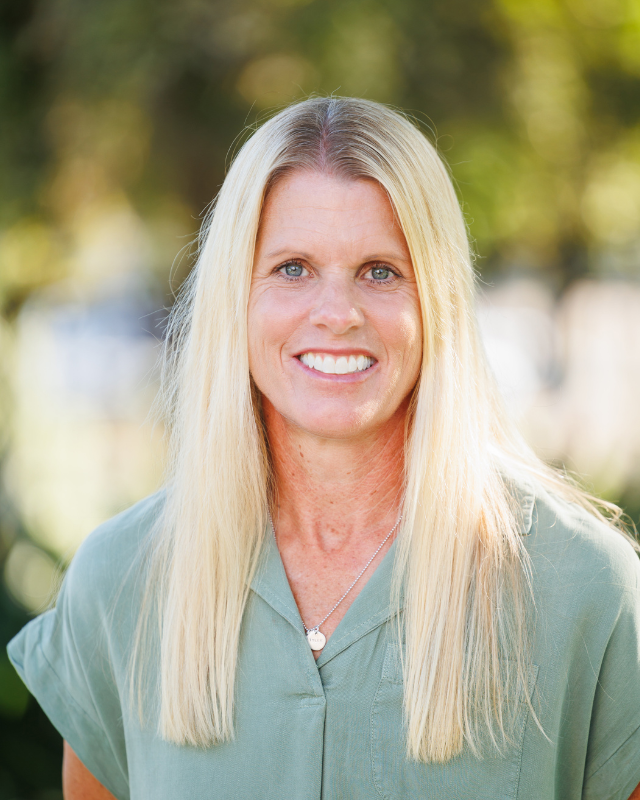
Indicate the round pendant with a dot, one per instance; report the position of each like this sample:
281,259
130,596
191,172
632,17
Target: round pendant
316,640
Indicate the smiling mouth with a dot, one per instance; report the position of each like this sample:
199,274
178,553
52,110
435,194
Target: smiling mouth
342,365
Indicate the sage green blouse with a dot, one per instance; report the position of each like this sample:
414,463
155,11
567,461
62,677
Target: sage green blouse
333,729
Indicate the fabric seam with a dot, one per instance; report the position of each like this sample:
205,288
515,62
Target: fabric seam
93,721
605,763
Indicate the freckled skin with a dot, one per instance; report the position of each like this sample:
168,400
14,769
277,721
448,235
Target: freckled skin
336,441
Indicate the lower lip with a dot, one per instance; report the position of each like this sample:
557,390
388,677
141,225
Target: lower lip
349,377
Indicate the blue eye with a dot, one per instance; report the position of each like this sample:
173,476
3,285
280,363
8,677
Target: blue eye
292,270
380,273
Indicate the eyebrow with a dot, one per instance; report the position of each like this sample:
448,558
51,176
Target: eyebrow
283,250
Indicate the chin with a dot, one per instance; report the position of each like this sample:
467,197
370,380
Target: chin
335,424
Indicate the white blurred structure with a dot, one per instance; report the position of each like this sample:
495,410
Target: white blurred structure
84,447
570,372
82,361
84,379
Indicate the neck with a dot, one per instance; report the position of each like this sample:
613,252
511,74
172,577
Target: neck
330,493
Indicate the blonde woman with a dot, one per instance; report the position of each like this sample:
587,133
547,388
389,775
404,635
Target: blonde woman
358,581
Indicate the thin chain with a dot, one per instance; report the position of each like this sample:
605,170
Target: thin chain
360,574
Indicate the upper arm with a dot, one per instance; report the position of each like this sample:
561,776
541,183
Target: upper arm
77,782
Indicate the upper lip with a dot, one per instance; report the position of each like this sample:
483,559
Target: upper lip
337,352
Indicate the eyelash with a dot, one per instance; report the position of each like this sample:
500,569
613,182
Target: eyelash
380,265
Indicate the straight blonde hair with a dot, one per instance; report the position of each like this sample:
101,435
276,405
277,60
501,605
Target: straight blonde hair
461,570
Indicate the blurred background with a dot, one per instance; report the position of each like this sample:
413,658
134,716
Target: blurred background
117,120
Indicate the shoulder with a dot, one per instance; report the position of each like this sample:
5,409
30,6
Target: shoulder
575,555
113,556
75,658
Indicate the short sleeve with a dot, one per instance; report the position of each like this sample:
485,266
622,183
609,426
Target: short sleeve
75,658
613,757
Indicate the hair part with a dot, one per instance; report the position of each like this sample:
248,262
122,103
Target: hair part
461,575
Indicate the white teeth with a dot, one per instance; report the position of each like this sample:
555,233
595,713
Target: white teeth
343,365
329,365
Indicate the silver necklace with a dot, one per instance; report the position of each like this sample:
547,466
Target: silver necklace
315,637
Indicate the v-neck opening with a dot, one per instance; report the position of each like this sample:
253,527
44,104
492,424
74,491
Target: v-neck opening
370,608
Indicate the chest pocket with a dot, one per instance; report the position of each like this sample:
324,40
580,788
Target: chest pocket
465,777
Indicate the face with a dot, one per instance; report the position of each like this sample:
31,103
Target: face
335,333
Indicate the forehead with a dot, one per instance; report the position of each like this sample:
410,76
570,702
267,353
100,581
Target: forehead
301,183
325,209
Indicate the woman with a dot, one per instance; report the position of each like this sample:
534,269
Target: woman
358,581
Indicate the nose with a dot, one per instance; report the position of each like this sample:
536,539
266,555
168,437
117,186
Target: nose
335,307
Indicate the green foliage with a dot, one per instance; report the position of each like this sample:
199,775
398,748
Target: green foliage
14,697
534,103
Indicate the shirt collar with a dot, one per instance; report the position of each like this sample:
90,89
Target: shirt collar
271,584
370,608
523,490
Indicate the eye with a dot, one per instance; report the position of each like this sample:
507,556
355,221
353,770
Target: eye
380,274
292,270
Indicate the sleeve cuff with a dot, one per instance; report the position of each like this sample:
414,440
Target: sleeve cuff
84,735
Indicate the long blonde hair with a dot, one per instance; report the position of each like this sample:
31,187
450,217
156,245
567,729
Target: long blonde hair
461,568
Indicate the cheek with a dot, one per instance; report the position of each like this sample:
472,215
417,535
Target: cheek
405,337
270,324
254,325
258,324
